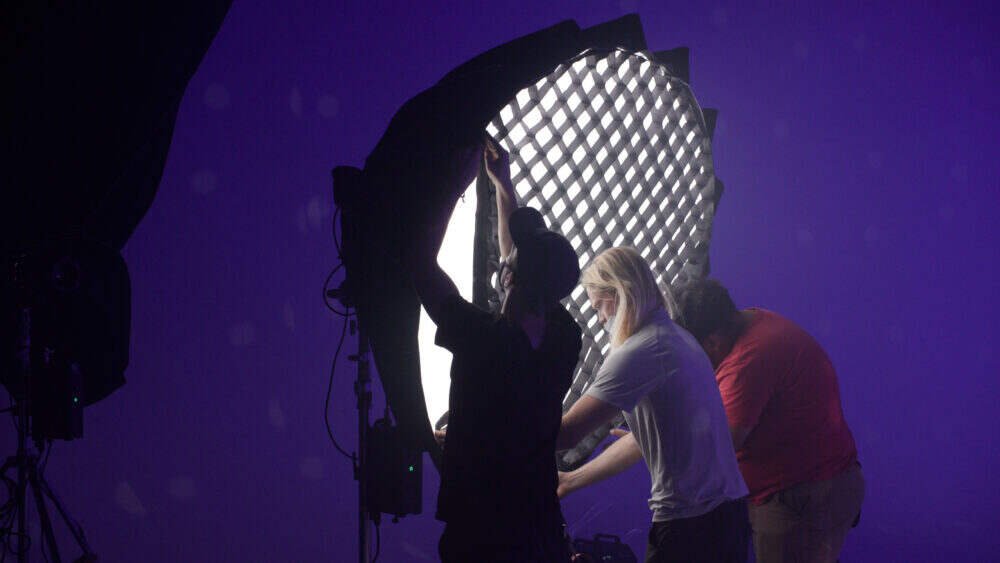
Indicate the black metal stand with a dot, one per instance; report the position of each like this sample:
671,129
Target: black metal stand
29,476
362,390
363,394
349,193
26,463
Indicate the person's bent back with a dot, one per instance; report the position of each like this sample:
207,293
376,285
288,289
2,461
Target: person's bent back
782,398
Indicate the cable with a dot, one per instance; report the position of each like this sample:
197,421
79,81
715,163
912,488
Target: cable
336,244
346,315
378,541
336,241
329,390
326,286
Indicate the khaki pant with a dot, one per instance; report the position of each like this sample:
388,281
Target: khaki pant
807,523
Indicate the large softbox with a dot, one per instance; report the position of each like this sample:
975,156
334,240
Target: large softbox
404,174
606,140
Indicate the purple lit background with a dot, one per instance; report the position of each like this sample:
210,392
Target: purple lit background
857,146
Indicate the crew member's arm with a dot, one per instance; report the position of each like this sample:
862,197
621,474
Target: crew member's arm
498,169
432,284
622,380
616,458
586,415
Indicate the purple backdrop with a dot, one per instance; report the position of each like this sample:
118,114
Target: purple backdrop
856,149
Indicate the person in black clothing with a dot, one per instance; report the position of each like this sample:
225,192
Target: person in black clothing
508,377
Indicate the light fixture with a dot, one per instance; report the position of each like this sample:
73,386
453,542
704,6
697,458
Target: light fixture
404,176
614,150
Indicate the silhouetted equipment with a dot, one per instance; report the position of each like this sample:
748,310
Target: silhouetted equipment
606,139
88,116
404,176
604,548
78,297
395,484
547,98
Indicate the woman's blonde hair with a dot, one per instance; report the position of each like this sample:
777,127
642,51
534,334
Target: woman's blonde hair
621,272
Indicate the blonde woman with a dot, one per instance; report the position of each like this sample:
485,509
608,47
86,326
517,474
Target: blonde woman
659,377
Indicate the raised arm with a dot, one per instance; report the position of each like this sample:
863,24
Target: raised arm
498,169
432,284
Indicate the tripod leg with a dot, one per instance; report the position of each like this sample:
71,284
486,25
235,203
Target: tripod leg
43,514
74,528
23,541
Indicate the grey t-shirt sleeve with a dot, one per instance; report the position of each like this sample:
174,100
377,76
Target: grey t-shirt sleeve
628,374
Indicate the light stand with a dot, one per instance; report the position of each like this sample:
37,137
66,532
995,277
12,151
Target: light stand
26,462
363,392
363,395
387,466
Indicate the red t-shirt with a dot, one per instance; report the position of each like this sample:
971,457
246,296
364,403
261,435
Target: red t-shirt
779,382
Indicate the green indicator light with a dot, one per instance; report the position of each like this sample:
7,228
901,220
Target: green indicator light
411,468
76,400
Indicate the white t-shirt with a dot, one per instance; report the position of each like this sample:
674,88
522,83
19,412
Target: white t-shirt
665,385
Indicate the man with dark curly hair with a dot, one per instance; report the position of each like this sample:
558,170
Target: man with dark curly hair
782,399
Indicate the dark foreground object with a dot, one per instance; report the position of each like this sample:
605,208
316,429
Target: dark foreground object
720,536
604,548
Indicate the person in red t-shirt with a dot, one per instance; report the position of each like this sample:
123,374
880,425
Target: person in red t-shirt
782,399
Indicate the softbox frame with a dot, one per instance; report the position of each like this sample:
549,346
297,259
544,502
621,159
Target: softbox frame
404,174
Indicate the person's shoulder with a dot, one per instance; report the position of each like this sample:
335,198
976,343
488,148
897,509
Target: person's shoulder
462,325
768,318
772,336
658,330
463,315
770,327
458,302
650,340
